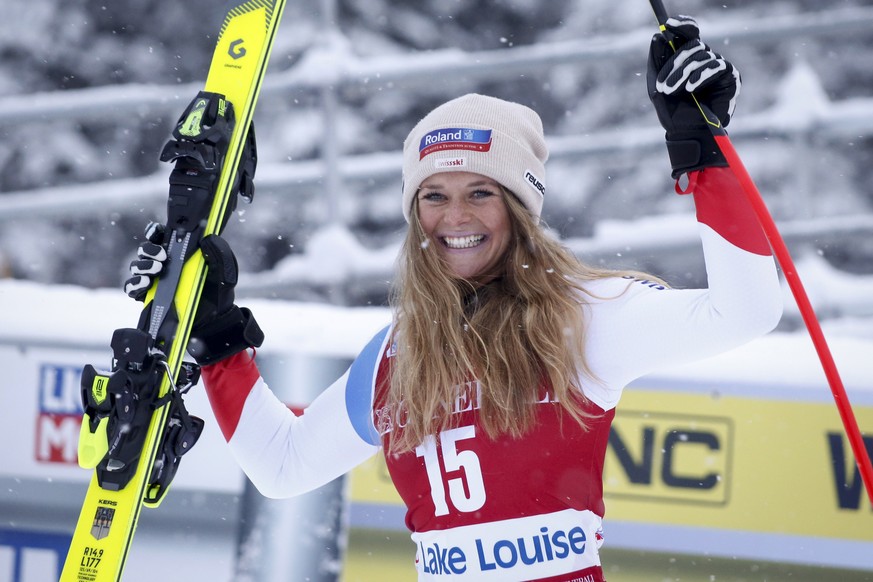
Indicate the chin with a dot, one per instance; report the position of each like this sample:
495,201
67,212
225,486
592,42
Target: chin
480,276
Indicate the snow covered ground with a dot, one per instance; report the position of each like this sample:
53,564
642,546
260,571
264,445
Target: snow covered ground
801,137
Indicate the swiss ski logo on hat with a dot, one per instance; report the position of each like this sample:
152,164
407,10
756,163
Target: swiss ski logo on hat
454,138
456,162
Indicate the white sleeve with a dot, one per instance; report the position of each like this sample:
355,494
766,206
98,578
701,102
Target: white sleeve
637,327
286,455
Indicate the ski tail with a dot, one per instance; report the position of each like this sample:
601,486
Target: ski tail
135,427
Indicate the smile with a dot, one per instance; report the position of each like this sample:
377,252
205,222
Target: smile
463,242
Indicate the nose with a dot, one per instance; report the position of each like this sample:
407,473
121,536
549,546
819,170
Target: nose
458,211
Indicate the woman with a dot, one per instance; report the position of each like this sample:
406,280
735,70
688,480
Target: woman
493,390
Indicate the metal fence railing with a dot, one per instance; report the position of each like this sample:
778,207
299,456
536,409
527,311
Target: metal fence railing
328,69
324,70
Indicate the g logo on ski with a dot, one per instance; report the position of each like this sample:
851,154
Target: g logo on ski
236,50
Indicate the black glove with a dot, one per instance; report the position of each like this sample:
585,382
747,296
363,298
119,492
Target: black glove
220,328
672,76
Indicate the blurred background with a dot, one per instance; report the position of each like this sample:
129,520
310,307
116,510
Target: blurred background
90,91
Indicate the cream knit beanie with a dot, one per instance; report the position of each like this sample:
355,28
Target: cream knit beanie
483,135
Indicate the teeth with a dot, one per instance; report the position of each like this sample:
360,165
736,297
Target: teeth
463,242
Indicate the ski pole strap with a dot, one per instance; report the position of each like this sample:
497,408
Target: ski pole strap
696,151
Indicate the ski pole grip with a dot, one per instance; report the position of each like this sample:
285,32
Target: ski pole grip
712,121
660,11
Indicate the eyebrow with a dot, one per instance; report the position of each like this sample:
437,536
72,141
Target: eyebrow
476,184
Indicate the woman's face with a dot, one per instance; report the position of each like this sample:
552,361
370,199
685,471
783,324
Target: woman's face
466,220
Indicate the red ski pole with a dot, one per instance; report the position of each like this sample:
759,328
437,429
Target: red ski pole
780,250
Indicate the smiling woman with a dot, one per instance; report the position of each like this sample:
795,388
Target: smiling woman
476,253
493,390
465,215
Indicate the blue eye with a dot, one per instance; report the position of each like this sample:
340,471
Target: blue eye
432,196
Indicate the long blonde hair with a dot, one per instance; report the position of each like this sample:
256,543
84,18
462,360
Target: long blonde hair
514,335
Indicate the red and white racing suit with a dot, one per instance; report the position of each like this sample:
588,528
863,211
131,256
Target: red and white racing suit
526,508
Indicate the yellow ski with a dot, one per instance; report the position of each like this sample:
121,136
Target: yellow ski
135,426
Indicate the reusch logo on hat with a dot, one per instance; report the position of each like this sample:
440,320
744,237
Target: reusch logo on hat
535,182
454,138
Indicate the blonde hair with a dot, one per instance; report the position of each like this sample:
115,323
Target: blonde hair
514,335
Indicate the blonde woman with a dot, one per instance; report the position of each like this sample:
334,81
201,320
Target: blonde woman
493,390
